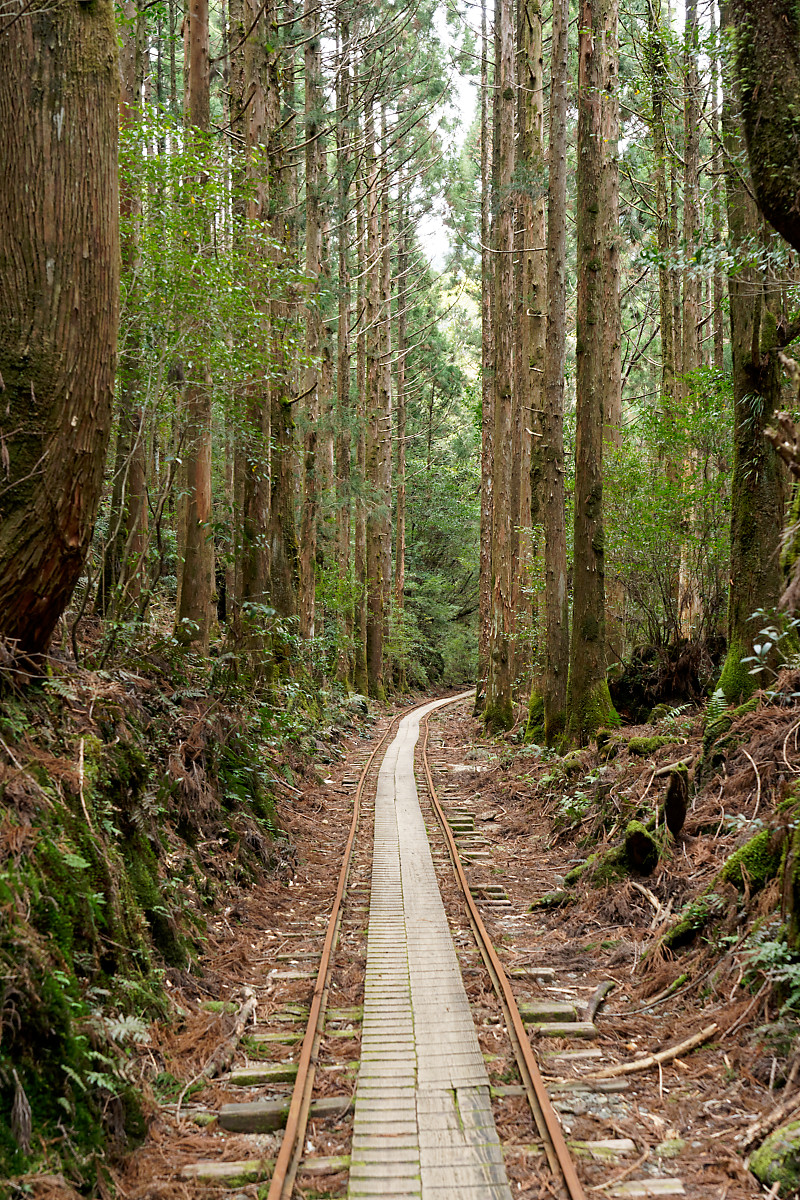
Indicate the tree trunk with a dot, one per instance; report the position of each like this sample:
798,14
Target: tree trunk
658,65
588,701
197,586
313,265
612,324
688,588
123,554
499,710
360,681
344,414
59,295
531,323
487,385
261,116
374,463
385,402
768,76
400,492
283,554
757,490
555,547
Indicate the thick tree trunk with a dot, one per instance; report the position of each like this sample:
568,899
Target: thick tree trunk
757,494
59,294
531,325
555,548
588,702
768,75
612,324
499,711
197,586
487,385
122,565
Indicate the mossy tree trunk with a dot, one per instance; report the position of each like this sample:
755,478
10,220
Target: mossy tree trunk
499,712
59,296
195,608
487,385
767,47
588,701
757,500
555,532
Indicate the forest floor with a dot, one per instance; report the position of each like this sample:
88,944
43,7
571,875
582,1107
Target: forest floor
684,946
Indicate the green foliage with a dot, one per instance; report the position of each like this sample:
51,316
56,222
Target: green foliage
667,493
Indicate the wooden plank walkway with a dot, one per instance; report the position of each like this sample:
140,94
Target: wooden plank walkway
423,1119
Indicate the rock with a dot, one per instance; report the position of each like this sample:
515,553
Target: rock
676,803
358,703
777,1160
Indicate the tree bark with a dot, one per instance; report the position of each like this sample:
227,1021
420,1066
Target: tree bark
194,614
360,681
768,75
555,546
283,553
757,489
487,384
375,435
59,295
262,115
499,711
400,487
123,553
343,352
588,701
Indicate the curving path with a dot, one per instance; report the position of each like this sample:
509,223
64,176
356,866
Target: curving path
423,1118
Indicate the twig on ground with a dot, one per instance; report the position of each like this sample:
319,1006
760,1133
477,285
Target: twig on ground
597,998
222,1057
654,1060
758,782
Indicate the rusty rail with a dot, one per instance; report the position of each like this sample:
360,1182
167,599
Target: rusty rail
547,1122
291,1150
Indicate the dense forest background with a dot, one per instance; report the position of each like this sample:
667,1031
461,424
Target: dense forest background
347,350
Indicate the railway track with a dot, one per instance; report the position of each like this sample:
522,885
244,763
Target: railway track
303,1060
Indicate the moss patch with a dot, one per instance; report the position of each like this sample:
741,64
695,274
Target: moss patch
777,1160
759,859
643,746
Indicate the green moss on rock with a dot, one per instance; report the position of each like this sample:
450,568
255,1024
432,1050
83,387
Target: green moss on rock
777,1160
535,731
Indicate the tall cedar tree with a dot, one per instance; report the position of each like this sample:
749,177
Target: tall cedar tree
59,296
588,701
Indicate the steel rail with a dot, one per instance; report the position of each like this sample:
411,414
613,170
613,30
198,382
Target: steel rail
291,1149
544,1114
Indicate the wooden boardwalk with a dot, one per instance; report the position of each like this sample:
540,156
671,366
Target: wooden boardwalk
423,1118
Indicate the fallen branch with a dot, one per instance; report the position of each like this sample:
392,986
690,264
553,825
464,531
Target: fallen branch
655,1060
222,1057
682,762
597,998
654,900
771,1120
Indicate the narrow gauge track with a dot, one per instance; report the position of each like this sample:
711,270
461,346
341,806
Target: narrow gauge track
290,1160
